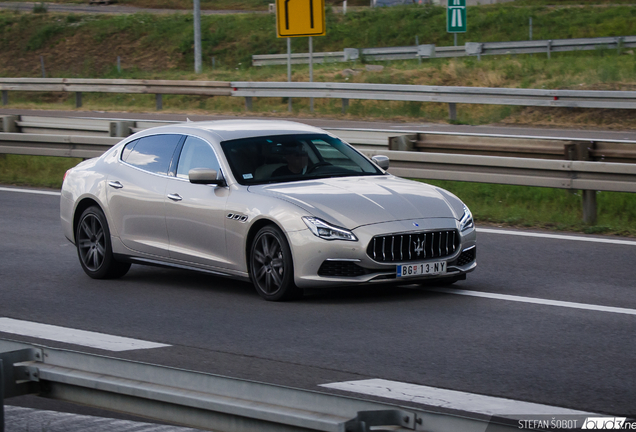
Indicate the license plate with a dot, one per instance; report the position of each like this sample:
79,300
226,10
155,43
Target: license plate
421,269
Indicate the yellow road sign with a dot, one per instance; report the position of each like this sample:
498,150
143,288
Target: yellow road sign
300,18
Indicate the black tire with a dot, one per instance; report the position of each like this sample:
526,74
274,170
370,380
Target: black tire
271,265
94,249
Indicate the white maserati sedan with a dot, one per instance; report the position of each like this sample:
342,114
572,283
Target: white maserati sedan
281,204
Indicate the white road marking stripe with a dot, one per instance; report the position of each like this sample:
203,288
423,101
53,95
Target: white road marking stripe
557,236
451,399
73,336
534,300
31,191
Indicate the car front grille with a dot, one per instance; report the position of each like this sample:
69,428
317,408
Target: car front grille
466,257
413,246
340,269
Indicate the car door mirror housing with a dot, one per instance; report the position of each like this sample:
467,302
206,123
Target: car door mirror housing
381,161
206,176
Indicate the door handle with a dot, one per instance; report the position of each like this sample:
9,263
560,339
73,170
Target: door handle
115,184
175,197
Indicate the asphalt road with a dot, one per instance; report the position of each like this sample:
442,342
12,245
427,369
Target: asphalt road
543,353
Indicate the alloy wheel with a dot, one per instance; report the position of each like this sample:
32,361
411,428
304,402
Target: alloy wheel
269,264
91,242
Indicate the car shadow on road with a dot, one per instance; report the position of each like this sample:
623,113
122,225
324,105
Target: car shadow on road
168,278
209,284
370,294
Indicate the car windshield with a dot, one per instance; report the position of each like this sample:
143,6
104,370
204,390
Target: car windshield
284,158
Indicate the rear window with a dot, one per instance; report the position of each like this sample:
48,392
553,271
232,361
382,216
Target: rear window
153,153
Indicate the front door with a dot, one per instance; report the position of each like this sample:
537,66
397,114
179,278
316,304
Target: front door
195,213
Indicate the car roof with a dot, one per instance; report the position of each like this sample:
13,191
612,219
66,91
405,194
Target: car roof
237,129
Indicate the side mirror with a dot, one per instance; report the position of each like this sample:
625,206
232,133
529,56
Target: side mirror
381,161
206,176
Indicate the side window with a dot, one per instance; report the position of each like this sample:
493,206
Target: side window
153,153
128,149
196,153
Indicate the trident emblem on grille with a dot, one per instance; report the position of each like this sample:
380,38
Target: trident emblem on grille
419,246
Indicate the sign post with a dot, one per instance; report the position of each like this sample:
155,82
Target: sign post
300,18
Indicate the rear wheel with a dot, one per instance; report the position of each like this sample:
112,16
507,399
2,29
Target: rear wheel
271,265
94,248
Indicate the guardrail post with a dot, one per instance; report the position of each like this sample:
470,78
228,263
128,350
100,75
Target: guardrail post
474,48
549,48
159,100
248,103
5,97
9,123
581,151
345,105
121,128
78,99
1,397
589,207
351,54
402,142
452,111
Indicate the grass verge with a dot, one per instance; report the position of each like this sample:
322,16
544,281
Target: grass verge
37,171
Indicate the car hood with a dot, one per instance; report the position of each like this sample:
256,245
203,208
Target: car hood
352,202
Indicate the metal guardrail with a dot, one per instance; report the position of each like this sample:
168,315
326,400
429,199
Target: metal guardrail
560,174
79,146
367,139
550,46
443,94
209,401
344,91
469,49
135,86
185,87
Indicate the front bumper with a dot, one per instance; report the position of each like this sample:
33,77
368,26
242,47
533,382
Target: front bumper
322,263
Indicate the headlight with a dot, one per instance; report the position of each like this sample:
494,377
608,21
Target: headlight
466,222
326,231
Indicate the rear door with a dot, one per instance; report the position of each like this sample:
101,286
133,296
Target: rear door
136,193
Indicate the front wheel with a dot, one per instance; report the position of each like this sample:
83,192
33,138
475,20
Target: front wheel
94,249
271,265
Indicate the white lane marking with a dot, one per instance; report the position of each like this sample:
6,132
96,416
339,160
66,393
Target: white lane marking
73,336
31,191
534,300
557,236
451,399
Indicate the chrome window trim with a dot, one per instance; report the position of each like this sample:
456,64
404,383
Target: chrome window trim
121,150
